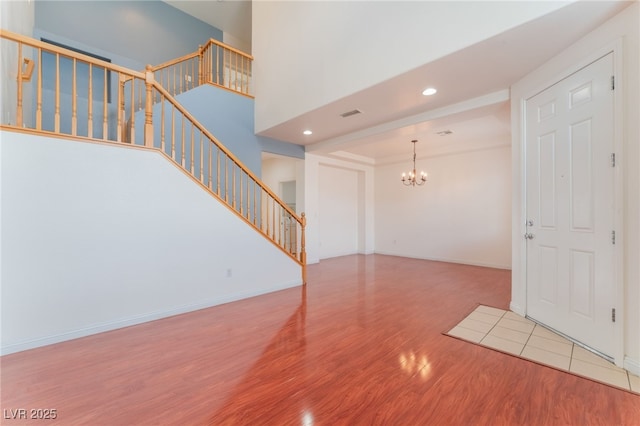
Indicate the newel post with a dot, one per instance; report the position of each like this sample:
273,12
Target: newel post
148,112
303,250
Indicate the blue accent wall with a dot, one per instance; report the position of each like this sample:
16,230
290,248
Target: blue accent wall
144,32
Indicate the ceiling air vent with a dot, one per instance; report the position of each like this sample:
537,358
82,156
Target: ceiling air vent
350,113
445,132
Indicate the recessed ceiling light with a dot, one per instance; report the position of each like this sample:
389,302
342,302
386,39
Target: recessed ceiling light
429,91
307,132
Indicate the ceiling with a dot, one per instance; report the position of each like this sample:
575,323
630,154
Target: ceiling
473,89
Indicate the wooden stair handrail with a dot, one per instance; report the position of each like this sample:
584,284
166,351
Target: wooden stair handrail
69,53
199,51
231,156
225,46
174,61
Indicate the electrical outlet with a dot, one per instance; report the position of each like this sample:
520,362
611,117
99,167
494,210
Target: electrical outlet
188,78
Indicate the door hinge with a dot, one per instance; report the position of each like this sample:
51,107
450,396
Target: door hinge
613,159
613,237
613,82
613,314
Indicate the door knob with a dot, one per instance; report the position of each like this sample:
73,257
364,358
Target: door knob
528,236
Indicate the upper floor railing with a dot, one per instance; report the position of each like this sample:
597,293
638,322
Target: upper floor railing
49,90
214,63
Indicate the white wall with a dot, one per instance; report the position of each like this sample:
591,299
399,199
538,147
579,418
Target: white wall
96,237
338,215
242,45
623,28
17,17
322,176
462,214
344,47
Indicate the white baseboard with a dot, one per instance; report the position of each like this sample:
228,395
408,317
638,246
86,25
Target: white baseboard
448,260
139,319
632,365
339,254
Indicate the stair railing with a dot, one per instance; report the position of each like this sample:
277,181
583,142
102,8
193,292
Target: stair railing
212,165
214,63
81,97
179,75
224,66
53,90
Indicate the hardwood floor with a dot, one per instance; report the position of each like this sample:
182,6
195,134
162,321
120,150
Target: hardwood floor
361,345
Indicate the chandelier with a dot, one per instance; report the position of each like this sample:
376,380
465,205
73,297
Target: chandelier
412,179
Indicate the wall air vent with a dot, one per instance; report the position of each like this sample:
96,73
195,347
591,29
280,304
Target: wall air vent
445,132
350,113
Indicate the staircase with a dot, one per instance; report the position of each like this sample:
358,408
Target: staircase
58,92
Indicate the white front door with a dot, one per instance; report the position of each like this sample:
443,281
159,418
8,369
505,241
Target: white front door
570,206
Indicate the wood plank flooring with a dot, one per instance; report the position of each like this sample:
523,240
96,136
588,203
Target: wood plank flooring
361,345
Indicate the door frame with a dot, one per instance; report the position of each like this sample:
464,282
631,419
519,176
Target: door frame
519,247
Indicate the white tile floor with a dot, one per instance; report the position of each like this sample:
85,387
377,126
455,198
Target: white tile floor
511,333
